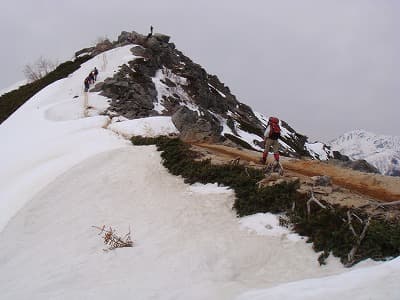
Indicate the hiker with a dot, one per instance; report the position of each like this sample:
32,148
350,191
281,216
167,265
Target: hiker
95,73
271,136
151,33
91,77
87,84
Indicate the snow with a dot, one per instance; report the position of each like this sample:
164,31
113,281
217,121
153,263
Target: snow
377,282
318,150
250,138
151,127
209,188
382,151
63,173
13,87
165,91
48,135
187,240
267,224
218,91
244,135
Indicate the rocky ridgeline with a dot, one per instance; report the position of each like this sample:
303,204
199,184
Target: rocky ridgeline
163,81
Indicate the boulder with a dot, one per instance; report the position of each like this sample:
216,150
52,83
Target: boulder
321,180
194,128
139,51
161,37
363,166
131,38
85,51
102,46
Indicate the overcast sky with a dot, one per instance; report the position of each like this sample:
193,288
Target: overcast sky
326,67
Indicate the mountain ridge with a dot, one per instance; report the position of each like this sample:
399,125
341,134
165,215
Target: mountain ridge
161,80
381,151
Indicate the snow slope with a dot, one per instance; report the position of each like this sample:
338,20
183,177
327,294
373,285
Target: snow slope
188,242
48,134
62,173
383,152
377,282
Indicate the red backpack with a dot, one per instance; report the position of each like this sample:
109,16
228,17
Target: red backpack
275,131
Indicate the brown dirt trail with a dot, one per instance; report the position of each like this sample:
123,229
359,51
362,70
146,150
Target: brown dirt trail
383,188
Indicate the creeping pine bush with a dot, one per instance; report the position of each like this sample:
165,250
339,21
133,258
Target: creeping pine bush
327,229
11,101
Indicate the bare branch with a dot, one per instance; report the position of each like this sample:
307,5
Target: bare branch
39,69
359,238
113,240
313,199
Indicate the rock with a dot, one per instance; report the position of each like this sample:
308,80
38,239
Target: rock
339,156
321,180
323,190
131,38
98,87
85,51
362,166
134,94
358,165
139,51
161,37
102,46
194,128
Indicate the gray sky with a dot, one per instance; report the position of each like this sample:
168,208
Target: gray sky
326,67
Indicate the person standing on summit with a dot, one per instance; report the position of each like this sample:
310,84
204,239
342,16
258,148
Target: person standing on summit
151,32
271,136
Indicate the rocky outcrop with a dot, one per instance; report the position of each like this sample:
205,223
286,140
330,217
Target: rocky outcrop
193,127
163,81
295,141
358,165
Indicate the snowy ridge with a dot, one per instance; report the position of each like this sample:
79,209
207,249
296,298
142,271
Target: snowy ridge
63,172
319,150
381,151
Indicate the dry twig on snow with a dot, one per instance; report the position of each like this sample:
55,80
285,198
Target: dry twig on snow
113,240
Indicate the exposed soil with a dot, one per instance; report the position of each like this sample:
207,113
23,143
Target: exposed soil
349,187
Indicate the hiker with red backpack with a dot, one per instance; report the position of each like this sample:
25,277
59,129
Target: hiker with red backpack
271,136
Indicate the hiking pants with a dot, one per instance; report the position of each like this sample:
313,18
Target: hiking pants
274,143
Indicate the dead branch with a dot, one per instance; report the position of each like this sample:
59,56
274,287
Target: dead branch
313,199
113,240
381,205
388,203
235,162
350,224
359,238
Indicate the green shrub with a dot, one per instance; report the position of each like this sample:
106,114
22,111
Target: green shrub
327,228
11,101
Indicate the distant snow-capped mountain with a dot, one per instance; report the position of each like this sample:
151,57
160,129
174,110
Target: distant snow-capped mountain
382,151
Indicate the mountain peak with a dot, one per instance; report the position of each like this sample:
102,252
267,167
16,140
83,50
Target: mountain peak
162,81
382,151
